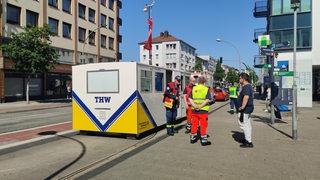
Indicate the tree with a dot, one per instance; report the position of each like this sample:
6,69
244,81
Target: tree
232,76
31,52
219,74
198,66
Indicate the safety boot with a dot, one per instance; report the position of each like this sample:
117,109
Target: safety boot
204,141
188,128
193,138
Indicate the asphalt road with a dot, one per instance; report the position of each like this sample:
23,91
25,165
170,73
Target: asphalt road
29,119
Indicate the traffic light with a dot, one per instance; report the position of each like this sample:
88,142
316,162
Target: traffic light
220,60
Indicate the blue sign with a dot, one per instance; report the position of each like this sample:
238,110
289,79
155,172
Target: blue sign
283,65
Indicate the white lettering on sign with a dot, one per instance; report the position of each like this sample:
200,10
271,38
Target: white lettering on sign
103,99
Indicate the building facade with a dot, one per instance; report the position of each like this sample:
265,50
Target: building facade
209,64
169,52
85,32
280,27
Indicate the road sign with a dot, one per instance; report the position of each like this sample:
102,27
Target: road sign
266,66
282,44
283,73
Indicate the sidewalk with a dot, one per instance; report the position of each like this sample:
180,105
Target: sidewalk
19,106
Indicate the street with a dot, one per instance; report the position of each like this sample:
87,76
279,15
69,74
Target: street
29,119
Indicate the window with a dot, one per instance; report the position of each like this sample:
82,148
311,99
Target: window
13,14
103,41
92,14
82,11
159,81
82,34
111,4
94,79
53,3
157,47
32,18
53,24
111,23
92,37
103,20
146,81
66,6
111,43
284,7
103,2
304,39
66,30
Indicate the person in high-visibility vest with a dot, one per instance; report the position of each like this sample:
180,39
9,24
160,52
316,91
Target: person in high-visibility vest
186,93
199,98
233,94
171,102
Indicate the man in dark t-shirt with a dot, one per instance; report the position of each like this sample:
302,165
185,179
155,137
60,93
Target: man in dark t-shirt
245,108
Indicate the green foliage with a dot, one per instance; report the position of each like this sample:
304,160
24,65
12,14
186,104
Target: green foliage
219,74
232,76
198,66
31,50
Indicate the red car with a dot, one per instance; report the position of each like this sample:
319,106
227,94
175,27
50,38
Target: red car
221,94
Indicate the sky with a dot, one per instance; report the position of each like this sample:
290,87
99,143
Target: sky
196,22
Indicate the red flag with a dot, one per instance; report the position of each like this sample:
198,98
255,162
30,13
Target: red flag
148,44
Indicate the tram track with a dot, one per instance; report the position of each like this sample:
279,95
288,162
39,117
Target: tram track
105,163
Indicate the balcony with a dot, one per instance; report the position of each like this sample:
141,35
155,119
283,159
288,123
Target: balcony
119,56
119,38
119,4
260,61
259,32
261,9
119,21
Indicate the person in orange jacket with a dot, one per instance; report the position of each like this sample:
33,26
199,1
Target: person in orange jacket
186,92
171,103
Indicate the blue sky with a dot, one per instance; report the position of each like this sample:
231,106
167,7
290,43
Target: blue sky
196,22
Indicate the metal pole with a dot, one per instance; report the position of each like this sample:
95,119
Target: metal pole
294,86
148,8
150,51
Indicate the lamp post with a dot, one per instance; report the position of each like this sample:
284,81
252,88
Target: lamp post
220,40
295,4
148,8
85,42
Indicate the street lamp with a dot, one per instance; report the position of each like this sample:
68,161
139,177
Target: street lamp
85,42
220,40
148,8
295,4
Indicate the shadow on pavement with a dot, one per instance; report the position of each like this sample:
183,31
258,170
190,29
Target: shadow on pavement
237,136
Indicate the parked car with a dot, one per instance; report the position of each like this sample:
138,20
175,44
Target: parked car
221,94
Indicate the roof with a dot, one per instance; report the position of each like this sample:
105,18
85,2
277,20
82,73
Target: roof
165,37
160,39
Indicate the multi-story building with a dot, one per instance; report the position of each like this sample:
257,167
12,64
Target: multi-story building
209,64
85,32
280,27
169,52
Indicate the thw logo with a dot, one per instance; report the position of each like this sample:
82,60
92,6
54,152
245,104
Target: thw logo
102,99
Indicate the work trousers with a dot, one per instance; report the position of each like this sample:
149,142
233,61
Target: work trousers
203,120
171,115
233,102
246,125
189,114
